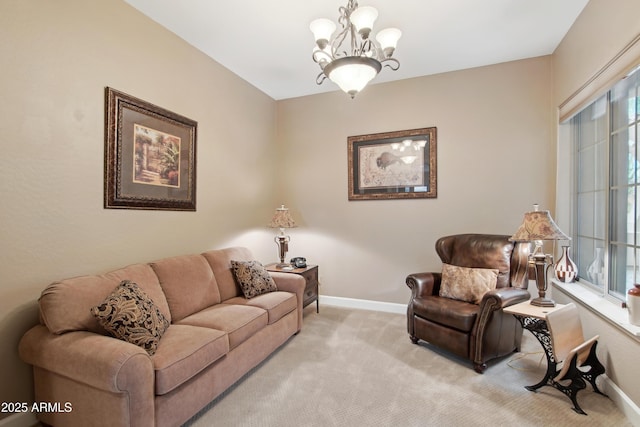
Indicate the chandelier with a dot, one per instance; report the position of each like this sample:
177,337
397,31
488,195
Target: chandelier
352,69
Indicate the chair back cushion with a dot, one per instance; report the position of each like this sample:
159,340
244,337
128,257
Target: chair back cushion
478,251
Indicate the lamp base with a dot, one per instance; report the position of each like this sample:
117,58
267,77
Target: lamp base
284,266
543,302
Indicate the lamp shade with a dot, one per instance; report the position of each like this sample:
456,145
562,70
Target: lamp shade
538,225
388,39
363,18
282,219
352,73
322,30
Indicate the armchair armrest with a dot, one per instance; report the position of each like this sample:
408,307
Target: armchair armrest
424,284
500,298
493,301
98,361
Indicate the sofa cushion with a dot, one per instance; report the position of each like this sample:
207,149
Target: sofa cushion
253,278
188,283
184,351
467,284
240,322
66,305
220,262
278,304
130,315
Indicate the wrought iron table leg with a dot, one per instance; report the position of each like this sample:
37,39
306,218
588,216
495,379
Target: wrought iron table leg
539,330
548,376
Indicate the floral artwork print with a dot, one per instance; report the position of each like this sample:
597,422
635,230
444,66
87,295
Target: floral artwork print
157,157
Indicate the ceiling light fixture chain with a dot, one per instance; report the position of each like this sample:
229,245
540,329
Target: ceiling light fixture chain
353,69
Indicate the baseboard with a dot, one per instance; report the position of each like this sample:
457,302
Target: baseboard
622,401
22,419
362,304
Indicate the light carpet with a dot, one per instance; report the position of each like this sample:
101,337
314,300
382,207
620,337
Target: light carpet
351,367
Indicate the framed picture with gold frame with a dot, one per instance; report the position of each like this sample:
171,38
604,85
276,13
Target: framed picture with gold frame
150,156
393,165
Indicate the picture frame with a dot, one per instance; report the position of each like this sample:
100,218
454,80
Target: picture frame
393,165
150,156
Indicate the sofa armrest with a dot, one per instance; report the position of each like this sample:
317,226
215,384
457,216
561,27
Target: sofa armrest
424,284
293,283
99,361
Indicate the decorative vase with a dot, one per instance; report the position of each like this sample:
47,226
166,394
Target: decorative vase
633,304
595,272
566,269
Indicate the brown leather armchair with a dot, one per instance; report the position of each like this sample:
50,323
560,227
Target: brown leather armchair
477,332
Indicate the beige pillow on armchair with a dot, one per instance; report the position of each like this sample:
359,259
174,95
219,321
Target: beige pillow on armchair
467,284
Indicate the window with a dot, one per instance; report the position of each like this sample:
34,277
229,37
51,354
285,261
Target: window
606,196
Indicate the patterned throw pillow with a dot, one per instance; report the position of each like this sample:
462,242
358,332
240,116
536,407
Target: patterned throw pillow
253,278
130,315
467,284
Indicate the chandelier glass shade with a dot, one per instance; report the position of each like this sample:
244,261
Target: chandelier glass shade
351,58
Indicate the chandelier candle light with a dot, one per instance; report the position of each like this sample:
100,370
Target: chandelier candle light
536,227
282,219
352,69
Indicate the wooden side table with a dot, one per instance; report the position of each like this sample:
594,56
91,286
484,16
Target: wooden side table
534,319
310,274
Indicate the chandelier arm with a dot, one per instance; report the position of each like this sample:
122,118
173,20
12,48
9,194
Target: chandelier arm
344,14
336,43
320,57
367,46
395,63
321,78
354,40
340,38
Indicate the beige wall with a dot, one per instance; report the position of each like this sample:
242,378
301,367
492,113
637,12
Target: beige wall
496,156
57,57
495,159
603,29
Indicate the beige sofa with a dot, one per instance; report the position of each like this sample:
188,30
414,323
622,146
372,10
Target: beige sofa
215,336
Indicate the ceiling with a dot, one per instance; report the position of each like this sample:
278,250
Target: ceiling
268,42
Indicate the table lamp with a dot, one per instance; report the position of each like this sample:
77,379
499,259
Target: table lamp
536,227
282,219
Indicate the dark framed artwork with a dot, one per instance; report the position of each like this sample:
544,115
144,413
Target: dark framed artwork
393,165
150,156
